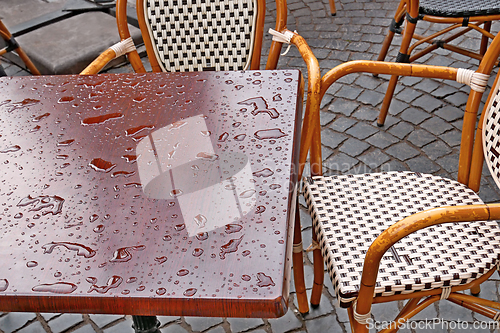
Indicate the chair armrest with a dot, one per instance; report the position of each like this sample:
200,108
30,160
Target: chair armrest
115,51
313,98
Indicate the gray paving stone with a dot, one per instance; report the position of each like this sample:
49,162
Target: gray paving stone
326,152
361,130
15,320
385,312
450,113
367,82
340,162
402,151
414,116
427,85
436,149
420,137
410,81
366,113
452,138
449,162
122,327
36,327
326,118
401,129
457,99
244,324
436,125
286,323
396,107
103,320
327,99
199,324
408,94
374,158
489,193
168,319
393,165
84,329
428,103
382,140
324,324
174,328
354,147
342,124
65,321
349,92
332,139
218,329
371,97
49,316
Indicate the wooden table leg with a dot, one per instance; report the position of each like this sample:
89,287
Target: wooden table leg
146,324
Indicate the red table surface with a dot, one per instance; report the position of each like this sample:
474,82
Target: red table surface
79,232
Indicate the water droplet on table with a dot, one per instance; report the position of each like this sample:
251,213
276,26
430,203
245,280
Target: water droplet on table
101,119
81,250
263,173
4,284
274,133
124,254
98,164
230,247
264,280
190,292
56,288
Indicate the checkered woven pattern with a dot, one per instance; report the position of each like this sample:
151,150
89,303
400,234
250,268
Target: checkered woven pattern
197,35
350,211
491,135
459,8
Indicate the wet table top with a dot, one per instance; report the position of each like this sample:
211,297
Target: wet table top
166,193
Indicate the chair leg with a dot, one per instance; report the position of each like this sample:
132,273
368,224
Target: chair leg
484,39
402,57
333,10
319,274
384,109
298,266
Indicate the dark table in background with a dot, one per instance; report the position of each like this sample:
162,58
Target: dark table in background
153,194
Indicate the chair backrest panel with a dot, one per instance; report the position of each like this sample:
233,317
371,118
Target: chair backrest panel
491,134
198,35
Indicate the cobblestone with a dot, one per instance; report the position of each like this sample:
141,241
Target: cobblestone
421,133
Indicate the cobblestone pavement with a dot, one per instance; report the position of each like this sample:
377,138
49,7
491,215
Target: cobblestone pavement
422,133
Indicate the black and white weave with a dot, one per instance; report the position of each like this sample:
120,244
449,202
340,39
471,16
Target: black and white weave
350,211
491,135
197,35
459,8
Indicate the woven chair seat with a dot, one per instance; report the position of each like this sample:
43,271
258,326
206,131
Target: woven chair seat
459,8
350,211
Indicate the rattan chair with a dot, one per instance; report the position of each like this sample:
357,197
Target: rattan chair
195,35
456,16
12,45
404,235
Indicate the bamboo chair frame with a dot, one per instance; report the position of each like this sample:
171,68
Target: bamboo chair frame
12,45
411,8
133,56
470,168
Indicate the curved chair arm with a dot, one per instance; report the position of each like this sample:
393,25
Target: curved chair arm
406,226
115,51
381,67
312,103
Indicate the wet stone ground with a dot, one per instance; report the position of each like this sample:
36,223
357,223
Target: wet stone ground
422,133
